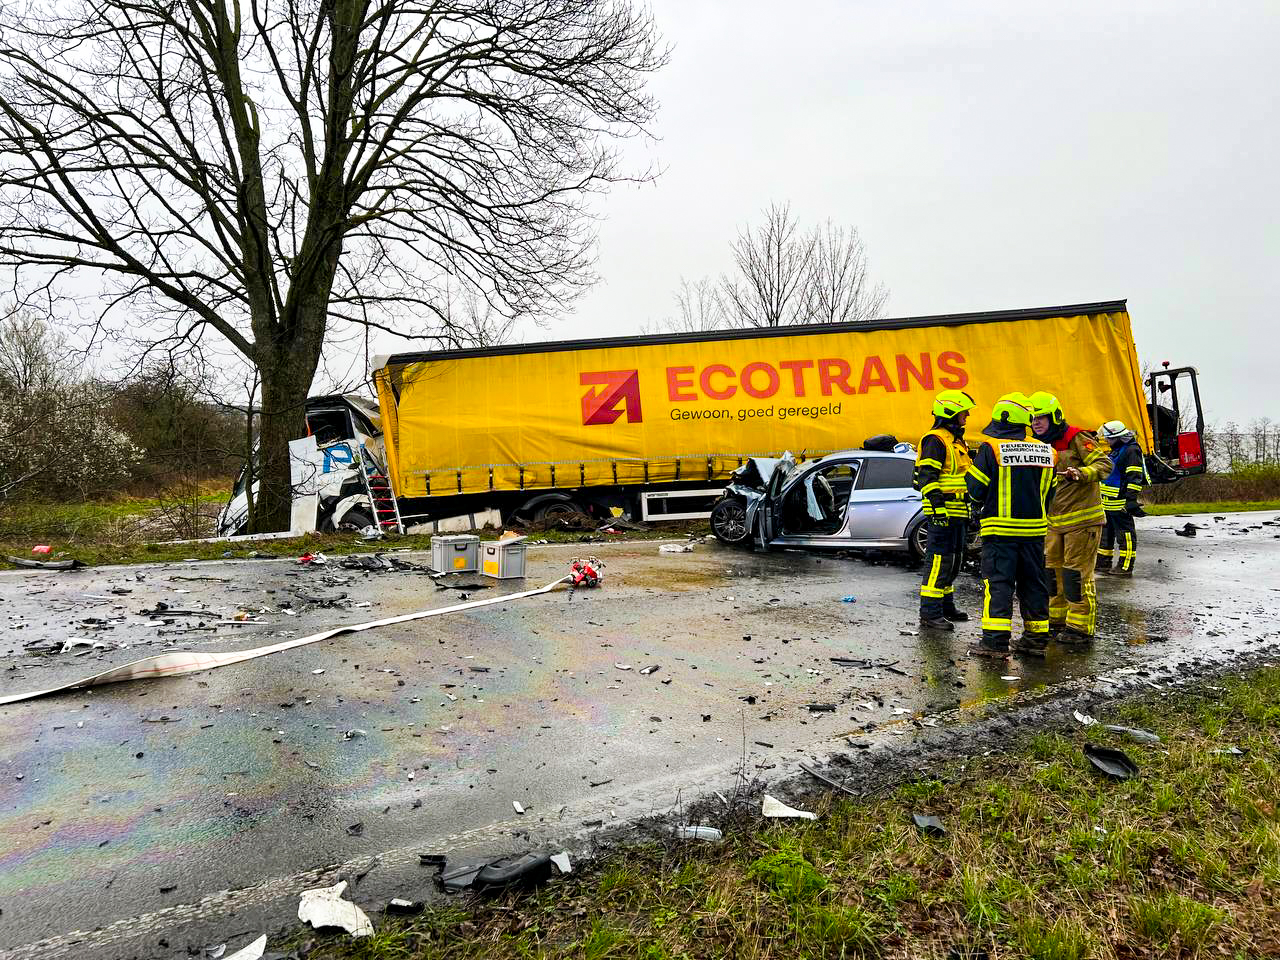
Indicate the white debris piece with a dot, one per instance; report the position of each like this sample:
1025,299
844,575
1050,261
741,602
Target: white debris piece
676,548
1083,718
253,951
561,860
324,907
773,807
710,834
515,804
318,671
1011,679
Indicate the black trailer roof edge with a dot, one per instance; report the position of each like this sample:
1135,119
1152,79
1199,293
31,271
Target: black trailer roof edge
757,333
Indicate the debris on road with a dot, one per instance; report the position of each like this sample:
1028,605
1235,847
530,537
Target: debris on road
324,907
45,564
1083,718
676,548
776,809
179,664
848,599
525,869
1114,763
622,666
561,861
1133,733
312,560
355,734
710,834
1187,530
253,951
827,780
822,708
356,829
402,906
651,669
515,805
929,825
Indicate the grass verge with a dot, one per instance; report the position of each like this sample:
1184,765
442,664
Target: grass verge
1220,506
1042,860
104,533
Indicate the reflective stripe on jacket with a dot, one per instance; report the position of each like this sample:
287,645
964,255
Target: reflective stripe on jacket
1078,503
1012,482
940,471
1128,476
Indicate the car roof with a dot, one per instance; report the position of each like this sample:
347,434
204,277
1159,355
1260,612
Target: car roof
868,453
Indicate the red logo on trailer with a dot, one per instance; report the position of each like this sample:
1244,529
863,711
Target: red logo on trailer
614,392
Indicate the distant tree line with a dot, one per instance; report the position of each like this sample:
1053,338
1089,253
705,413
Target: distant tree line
65,432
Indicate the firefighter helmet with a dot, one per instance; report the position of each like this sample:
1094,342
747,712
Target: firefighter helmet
1114,431
1013,408
1045,404
952,403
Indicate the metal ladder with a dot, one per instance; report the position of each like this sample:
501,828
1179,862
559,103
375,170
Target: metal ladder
381,497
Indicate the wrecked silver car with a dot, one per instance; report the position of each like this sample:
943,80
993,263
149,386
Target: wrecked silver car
847,500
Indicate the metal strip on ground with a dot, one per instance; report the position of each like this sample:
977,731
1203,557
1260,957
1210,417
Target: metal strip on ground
177,664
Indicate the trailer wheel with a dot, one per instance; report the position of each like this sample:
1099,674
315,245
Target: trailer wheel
556,509
729,521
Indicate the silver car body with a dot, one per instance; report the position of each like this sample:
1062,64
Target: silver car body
874,504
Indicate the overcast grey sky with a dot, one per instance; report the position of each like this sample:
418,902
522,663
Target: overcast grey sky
993,155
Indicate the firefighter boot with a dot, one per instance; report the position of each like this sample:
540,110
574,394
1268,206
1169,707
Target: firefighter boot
952,612
936,623
1075,639
994,644
1031,644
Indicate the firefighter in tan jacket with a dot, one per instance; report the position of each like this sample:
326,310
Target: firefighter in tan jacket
1075,519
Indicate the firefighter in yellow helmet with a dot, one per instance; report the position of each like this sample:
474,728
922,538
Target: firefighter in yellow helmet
940,471
1010,483
1075,519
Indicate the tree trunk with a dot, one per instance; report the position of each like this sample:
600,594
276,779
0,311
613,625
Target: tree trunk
283,418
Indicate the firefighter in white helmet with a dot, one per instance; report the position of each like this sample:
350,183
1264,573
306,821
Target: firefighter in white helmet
1119,547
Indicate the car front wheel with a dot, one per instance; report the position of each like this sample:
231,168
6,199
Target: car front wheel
729,521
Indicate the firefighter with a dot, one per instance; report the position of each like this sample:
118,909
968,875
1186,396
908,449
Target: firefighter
1010,482
1120,500
1075,520
941,466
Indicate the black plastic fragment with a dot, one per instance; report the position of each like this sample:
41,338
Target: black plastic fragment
1110,761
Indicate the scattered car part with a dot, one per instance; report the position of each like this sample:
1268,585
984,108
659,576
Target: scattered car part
929,825
1133,733
324,907
827,780
1110,761
253,951
686,832
776,809
45,564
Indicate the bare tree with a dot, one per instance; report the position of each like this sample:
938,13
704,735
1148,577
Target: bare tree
267,171
774,269
839,289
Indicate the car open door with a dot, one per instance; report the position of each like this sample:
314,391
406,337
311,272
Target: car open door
770,510
1177,425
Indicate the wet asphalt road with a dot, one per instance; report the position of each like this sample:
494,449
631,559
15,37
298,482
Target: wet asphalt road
140,799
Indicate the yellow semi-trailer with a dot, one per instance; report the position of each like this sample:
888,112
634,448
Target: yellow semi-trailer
589,425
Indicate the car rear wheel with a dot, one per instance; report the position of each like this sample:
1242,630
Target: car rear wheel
729,521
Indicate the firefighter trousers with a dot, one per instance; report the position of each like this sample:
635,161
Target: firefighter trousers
1119,541
1070,556
942,562
1014,565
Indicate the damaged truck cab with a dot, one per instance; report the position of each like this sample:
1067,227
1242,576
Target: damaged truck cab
338,472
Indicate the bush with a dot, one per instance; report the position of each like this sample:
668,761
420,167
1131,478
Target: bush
1245,482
